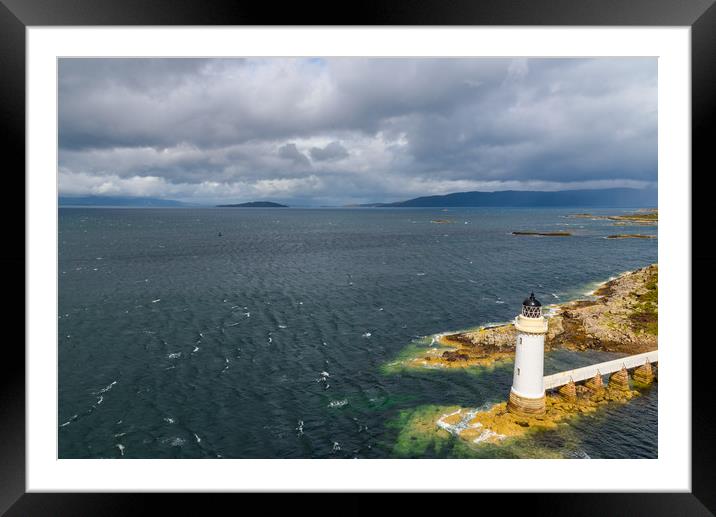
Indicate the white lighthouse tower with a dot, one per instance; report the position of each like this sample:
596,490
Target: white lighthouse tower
527,393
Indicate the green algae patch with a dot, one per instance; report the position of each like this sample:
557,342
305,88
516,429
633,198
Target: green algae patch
435,431
406,359
645,315
419,435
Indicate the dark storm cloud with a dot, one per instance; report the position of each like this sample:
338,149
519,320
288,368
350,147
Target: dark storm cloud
210,128
333,151
291,153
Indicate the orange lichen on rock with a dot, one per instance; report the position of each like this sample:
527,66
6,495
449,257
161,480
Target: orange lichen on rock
454,353
497,423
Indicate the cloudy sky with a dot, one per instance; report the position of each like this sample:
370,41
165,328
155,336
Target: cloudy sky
345,130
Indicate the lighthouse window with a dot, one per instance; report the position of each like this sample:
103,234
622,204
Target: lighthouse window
518,371
531,312
520,340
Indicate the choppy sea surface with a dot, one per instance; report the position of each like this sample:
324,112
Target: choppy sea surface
262,333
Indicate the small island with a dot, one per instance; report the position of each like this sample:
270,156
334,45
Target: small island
254,204
642,217
631,236
545,234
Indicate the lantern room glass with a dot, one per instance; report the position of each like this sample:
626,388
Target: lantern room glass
531,312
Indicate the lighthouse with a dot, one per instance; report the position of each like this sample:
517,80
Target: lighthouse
527,392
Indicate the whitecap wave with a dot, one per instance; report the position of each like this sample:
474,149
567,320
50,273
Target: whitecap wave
74,417
488,434
105,389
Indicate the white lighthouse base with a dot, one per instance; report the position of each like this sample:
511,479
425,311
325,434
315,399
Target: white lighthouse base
524,406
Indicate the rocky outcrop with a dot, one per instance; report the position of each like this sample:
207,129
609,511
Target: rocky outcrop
621,316
500,422
545,234
454,355
644,217
631,236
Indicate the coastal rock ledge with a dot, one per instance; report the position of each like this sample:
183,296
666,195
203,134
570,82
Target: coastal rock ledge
497,423
621,316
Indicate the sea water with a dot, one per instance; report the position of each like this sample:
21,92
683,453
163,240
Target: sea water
262,333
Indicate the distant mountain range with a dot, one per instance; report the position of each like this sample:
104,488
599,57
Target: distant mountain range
611,198
255,204
607,198
123,201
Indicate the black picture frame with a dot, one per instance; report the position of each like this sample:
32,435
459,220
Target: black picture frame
17,15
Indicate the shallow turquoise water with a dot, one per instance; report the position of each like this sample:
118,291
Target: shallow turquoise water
177,342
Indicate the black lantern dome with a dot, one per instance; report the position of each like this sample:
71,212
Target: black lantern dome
531,307
532,301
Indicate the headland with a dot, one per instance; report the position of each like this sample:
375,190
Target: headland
621,315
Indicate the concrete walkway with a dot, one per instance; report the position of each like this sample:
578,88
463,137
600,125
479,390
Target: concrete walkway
580,374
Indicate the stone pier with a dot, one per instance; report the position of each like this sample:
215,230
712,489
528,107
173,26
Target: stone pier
641,362
588,383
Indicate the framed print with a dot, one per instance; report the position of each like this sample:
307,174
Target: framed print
265,255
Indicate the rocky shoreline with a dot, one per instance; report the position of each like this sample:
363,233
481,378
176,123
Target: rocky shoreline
434,427
643,217
544,234
631,236
621,316
495,424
